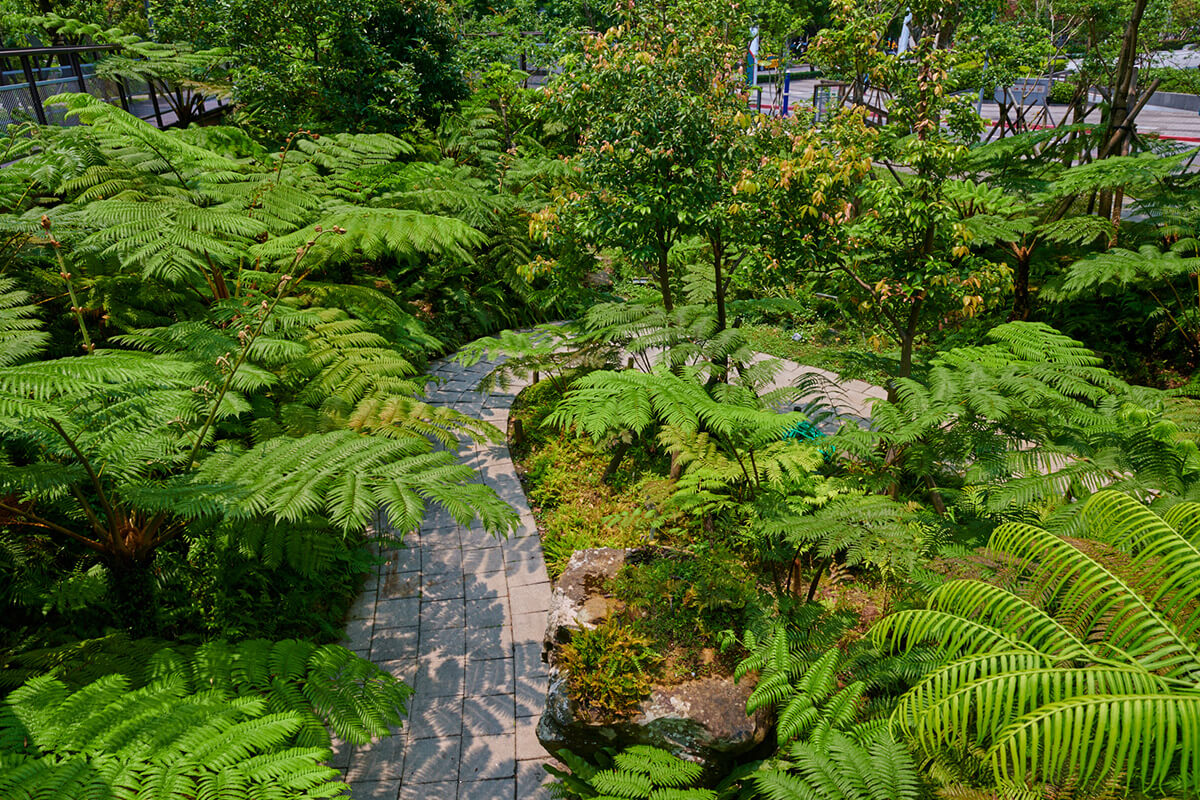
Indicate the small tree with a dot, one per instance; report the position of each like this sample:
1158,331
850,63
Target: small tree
659,99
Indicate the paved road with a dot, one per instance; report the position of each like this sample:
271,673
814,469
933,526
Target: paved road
460,616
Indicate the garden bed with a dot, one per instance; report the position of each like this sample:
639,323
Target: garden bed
684,592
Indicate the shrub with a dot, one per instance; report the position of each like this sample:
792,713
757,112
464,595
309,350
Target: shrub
609,670
684,603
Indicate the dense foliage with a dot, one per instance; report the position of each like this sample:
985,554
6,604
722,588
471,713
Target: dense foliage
211,404
213,352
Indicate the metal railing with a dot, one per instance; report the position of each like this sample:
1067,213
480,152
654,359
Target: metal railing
29,75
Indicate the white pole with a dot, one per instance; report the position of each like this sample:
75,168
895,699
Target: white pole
905,35
752,73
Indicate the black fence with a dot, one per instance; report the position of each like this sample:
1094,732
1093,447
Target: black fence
30,75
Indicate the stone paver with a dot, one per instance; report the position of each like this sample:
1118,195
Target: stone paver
460,615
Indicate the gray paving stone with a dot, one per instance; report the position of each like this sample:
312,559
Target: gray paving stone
485,757
443,790
405,669
531,694
442,586
401,583
495,642
363,606
527,658
407,559
491,676
499,400
435,717
399,612
495,416
438,561
439,614
394,644
529,627
508,488
358,633
437,517
532,779
340,757
432,760
487,612
483,559
440,676
520,548
527,570
486,584
475,537
526,526
375,790
528,746
530,598
489,716
381,760
499,789
441,538
444,642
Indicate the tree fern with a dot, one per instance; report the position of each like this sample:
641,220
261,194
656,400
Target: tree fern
327,688
375,233
346,477
20,334
1083,676
639,772
108,740
1035,418
801,688
839,768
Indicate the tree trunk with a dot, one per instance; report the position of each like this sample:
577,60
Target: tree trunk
908,338
1121,89
816,581
718,249
906,352
676,467
1021,307
133,593
664,271
614,462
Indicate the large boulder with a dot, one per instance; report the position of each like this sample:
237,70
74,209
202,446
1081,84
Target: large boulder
702,720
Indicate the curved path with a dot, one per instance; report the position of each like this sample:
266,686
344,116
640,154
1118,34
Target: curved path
459,615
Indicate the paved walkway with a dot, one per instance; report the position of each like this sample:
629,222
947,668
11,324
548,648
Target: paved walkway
460,616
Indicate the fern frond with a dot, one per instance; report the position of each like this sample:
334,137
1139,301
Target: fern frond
21,334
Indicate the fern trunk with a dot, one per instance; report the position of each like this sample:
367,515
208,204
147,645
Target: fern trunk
134,595
617,457
1021,306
